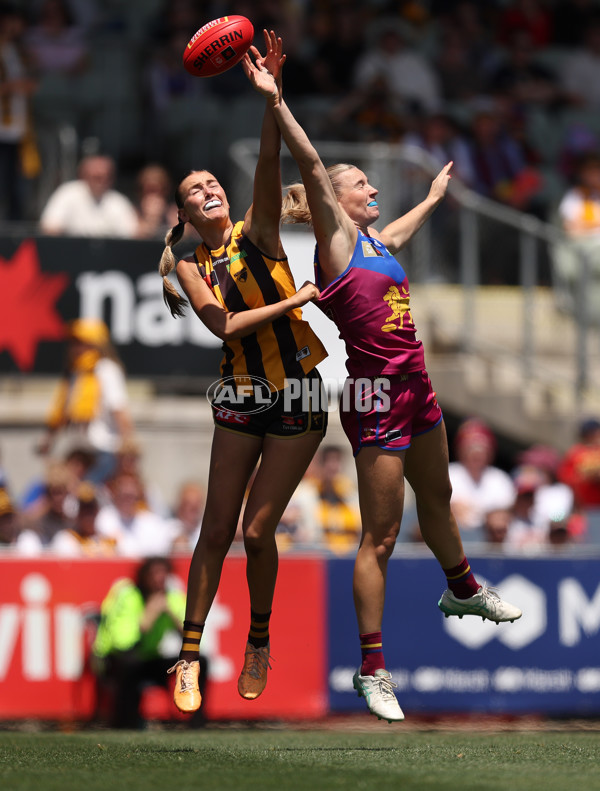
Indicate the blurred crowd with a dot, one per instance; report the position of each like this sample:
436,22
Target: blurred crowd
505,88
94,501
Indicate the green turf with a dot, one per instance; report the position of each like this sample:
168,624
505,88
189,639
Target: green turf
237,759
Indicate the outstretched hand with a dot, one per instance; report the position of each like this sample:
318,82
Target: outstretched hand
265,73
440,183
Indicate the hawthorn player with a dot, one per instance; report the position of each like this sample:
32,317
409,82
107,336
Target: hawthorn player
239,284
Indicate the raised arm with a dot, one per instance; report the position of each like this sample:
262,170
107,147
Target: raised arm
262,220
334,231
228,325
400,231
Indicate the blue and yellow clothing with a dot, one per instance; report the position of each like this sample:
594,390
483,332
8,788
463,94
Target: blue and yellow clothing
242,278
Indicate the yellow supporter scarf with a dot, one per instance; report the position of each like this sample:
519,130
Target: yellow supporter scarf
78,396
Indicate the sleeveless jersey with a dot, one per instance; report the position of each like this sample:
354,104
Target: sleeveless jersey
242,277
370,304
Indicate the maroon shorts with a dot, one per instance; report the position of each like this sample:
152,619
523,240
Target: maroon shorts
387,411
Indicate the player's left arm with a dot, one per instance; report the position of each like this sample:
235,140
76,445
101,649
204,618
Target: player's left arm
395,235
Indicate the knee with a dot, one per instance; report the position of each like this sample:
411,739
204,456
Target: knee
386,546
257,538
383,543
216,539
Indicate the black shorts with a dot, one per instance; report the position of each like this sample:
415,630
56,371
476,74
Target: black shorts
292,412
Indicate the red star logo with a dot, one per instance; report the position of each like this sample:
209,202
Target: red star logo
27,305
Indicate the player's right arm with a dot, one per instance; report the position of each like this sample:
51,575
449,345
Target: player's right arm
334,231
229,325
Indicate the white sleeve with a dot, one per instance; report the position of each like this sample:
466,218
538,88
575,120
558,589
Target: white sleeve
569,209
123,217
55,215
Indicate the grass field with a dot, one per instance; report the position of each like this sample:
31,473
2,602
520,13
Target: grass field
308,760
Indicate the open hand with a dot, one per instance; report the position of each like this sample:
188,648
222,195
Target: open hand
440,183
265,73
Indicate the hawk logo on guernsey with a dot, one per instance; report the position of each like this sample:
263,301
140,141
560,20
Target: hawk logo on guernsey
242,275
399,305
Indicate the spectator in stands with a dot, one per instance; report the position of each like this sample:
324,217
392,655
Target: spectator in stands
135,530
338,30
368,114
9,525
581,70
528,528
520,78
91,402
338,515
54,43
155,206
54,512
16,87
410,79
78,460
580,466
530,17
138,637
129,461
441,137
187,517
477,485
496,523
579,209
579,215
89,206
461,79
499,162
553,500
82,540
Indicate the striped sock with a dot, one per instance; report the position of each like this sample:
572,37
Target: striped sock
258,636
190,649
461,580
371,648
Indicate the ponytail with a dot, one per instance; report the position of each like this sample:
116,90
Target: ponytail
173,299
294,206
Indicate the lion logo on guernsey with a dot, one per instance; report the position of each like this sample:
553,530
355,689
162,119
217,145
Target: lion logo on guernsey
399,305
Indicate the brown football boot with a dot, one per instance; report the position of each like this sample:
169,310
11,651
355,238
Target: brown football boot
186,694
253,678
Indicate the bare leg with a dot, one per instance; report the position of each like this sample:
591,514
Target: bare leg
283,463
427,472
233,458
381,495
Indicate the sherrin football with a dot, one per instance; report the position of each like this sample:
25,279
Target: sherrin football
218,46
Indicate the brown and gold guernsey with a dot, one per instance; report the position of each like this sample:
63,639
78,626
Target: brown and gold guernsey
242,277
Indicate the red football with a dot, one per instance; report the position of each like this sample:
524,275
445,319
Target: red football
218,46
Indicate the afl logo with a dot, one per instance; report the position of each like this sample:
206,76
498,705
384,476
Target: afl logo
247,395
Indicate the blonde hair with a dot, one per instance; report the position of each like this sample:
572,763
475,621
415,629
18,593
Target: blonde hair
295,208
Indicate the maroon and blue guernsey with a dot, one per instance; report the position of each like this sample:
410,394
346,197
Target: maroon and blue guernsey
370,304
